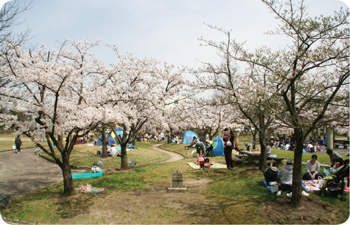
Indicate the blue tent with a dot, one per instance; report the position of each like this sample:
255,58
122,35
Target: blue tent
218,149
111,138
187,137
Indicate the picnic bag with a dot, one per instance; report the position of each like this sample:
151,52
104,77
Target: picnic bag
321,182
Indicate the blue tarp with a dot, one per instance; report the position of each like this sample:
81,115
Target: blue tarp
86,175
187,137
218,149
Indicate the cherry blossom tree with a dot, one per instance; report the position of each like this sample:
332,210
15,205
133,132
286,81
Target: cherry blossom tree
310,74
8,18
139,89
51,90
250,92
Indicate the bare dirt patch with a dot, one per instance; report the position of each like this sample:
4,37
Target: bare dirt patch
153,206
313,210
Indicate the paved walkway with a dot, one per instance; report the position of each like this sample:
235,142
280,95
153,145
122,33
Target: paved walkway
25,172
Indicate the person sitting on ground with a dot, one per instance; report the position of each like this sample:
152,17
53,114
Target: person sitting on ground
292,146
193,143
247,146
333,156
309,147
320,141
312,168
271,174
210,147
268,150
200,158
286,147
286,178
338,164
200,143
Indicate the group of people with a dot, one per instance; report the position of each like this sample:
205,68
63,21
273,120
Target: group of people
204,149
285,177
201,146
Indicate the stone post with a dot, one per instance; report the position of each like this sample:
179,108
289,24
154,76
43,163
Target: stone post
330,134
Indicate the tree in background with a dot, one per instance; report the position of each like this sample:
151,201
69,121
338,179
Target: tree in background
139,89
250,92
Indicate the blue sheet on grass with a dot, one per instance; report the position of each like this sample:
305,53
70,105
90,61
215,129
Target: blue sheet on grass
86,175
267,185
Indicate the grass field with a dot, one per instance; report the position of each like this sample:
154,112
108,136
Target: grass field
83,155
7,140
138,196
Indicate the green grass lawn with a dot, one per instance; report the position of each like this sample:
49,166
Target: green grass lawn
231,197
7,140
83,155
321,157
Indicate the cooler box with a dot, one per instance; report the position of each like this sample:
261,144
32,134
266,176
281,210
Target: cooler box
274,186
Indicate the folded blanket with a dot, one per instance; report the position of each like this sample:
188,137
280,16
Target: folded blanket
94,190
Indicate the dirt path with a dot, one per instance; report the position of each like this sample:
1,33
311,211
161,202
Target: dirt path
25,172
173,156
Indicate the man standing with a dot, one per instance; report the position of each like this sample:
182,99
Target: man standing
18,143
228,153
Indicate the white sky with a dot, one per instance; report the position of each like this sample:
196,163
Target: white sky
163,29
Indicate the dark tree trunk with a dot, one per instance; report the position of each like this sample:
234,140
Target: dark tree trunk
124,156
297,165
210,134
68,187
169,136
262,160
104,143
134,139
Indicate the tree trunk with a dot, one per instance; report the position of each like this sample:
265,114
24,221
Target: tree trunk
104,143
262,160
134,140
68,187
297,165
210,134
254,138
124,156
169,136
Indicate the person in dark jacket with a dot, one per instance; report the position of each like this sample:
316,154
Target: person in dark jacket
18,143
271,174
228,146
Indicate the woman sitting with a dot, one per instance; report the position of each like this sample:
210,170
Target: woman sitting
312,168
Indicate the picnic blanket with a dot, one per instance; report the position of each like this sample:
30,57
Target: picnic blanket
213,166
310,185
268,186
86,175
307,185
94,190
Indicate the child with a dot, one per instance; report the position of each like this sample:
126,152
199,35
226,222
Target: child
200,158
